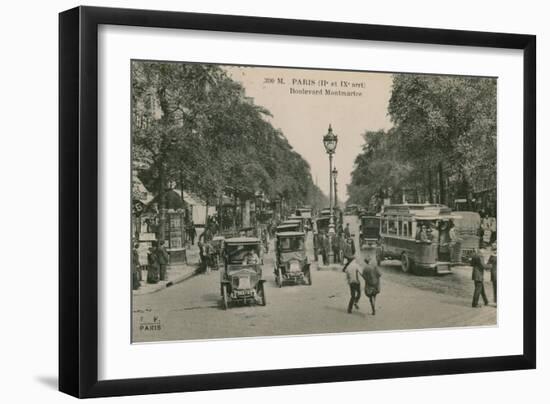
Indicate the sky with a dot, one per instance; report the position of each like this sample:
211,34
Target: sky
301,108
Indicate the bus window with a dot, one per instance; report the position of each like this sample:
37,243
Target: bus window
406,229
392,229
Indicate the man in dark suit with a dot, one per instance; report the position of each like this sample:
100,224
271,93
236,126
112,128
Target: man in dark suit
478,269
163,259
493,263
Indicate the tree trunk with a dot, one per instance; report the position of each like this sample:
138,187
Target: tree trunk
430,186
442,188
162,202
234,212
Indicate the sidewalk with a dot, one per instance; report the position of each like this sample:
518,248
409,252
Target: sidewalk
175,274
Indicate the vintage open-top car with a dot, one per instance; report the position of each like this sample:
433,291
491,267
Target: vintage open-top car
241,278
292,264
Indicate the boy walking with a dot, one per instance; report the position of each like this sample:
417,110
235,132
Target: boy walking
352,277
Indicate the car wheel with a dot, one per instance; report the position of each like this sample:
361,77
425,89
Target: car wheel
406,264
262,294
225,300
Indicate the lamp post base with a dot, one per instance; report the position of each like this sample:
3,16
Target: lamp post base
330,257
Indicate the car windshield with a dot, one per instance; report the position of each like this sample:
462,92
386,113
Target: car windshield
237,253
291,244
371,222
322,224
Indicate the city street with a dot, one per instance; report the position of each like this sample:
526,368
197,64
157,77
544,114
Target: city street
192,310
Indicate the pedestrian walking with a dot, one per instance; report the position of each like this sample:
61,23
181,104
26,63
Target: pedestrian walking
192,232
206,235
349,252
352,277
347,232
478,270
371,275
163,259
325,245
336,247
493,263
153,267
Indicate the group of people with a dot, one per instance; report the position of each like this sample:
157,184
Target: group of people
355,268
341,243
370,274
487,231
157,264
444,233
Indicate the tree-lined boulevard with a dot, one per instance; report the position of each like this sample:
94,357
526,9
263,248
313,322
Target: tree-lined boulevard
196,131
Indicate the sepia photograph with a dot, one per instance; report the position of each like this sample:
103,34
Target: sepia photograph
277,201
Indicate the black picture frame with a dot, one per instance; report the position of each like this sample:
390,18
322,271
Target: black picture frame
78,196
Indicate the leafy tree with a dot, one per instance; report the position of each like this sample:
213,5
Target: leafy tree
443,140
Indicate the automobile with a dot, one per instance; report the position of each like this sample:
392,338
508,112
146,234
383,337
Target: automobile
467,230
291,264
289,225
304,222
241,279
369,230
249,231
321,226
303,212
351,210
418,236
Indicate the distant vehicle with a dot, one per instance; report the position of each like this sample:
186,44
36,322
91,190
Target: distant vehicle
303,212
296,221
351,210
286,226
241,279
292,264
401,237
467,230
338,215
369,230
321,226
249,231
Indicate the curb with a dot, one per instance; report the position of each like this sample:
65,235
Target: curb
174,281
182,278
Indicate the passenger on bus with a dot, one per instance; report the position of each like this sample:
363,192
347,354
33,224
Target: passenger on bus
422,235
433,234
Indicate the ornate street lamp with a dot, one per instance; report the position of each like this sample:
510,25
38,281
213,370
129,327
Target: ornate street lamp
330,140
334,175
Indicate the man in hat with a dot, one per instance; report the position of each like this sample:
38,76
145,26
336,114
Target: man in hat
493,263
352,278
163,259
478,269
153,267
